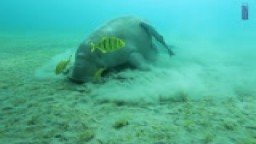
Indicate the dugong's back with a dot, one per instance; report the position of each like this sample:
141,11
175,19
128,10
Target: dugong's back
130,31
126,28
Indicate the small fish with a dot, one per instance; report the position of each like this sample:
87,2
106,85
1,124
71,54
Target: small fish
61,66
98,73
108,44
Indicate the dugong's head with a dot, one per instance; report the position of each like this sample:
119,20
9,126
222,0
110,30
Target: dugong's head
84,66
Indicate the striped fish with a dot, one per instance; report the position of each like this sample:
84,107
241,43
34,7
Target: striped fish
98,73
61,66
108,44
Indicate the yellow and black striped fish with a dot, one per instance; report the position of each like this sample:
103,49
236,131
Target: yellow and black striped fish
108,44
98,73
61,66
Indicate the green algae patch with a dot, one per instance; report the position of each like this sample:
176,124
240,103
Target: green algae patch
86,136
120,123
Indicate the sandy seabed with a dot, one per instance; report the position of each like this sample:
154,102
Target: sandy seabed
56,111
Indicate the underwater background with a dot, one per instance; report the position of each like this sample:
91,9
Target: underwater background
204,94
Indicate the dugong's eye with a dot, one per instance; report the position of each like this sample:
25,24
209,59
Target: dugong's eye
81,54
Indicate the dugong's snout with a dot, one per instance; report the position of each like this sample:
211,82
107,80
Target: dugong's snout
78,74
74,80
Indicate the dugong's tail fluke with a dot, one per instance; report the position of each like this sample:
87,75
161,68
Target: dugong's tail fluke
151,31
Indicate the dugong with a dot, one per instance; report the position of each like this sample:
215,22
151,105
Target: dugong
138,51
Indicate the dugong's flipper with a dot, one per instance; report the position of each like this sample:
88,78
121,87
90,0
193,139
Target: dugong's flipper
151,31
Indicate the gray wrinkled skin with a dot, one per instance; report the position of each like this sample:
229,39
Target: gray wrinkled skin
137,52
